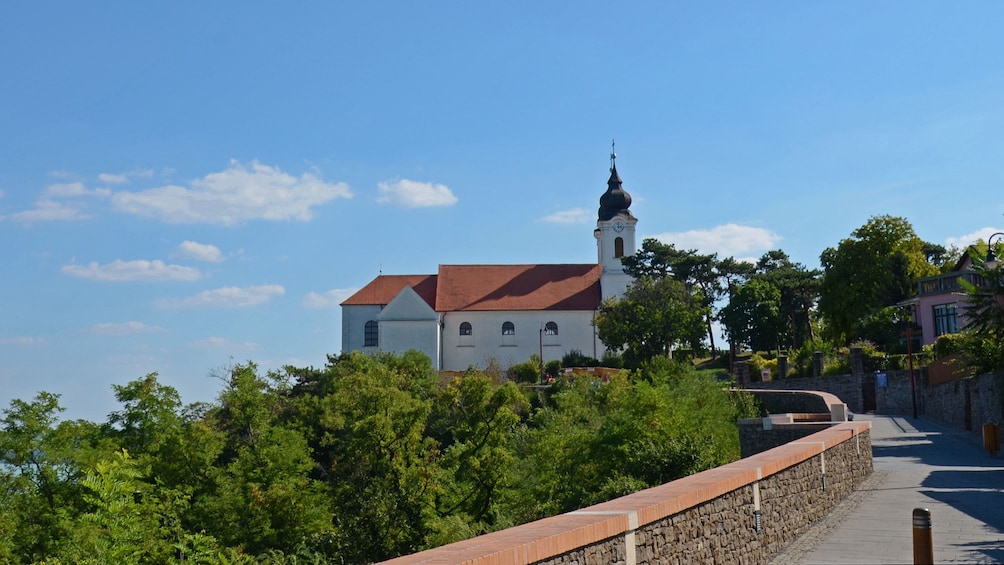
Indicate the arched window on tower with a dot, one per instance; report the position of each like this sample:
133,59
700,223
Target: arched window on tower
371,334
466,329
619,247
550,328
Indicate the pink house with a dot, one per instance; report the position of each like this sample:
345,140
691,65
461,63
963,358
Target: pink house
940,305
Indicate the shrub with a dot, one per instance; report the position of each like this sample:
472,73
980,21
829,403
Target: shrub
576,358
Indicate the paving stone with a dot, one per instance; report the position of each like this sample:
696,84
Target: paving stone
919,463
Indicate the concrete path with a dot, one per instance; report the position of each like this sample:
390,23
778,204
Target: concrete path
918,464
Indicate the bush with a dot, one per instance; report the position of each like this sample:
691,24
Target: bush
576,358
525,372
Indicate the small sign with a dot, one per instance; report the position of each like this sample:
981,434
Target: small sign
881,380
765,375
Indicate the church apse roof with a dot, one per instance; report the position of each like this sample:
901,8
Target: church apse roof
384,288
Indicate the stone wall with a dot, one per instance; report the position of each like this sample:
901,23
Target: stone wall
755,438
846,387
743,512
948,402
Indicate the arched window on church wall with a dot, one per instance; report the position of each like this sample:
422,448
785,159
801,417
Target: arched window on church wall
371,334
619,247
466,335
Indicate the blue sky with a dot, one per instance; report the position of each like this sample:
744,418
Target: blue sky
186,185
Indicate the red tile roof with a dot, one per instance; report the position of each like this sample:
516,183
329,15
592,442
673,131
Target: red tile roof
518,287
493,287
383,289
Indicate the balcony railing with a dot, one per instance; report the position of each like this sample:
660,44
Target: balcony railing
948,283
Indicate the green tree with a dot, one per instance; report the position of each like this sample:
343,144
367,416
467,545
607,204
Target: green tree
474,423
878,266
40,491
259,494
753,316
367,418
652,317
700,273
799,288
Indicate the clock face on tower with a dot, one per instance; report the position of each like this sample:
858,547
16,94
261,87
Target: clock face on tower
618,226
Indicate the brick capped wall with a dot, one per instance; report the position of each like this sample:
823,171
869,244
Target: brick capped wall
743,512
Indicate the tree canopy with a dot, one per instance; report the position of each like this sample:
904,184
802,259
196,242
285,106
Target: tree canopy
878,266
362,460
653,316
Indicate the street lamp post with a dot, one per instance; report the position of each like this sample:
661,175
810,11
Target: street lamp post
992,261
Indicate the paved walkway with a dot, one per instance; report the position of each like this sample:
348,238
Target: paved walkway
918,464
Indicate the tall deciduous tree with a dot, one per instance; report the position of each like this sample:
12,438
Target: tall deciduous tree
653,316
876,267
753,316
698,272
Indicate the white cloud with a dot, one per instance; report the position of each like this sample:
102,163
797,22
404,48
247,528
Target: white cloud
199,251
73,189
124,328
726,240
331,298
21,340
235,195
46,211
228,297
964,241
224,344
122,178
414,194
573,216
50,206
127,271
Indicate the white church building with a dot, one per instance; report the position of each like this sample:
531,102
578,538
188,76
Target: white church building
466,315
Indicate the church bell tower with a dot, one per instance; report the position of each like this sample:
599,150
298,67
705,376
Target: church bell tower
615,234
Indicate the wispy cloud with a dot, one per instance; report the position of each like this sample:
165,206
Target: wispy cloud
122,178
21,340
129,271
59,202
414,194
47,211
328,299
124,328
573,216
237,194
73,189
199,251
224,344
227,297
726,240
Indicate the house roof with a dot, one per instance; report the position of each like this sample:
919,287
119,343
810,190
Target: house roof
384,288
493,287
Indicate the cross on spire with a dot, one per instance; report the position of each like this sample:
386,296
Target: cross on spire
613,155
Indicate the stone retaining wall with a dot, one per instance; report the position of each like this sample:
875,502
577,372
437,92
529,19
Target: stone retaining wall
743,512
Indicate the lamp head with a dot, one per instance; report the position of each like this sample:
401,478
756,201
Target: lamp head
992,262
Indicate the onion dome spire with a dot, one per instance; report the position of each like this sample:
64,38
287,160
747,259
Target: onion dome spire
615,200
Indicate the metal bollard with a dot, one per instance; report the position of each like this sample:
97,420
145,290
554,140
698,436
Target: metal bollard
992,438
923,544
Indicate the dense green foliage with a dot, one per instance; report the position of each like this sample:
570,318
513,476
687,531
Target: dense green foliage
653,316
362,460
877,267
